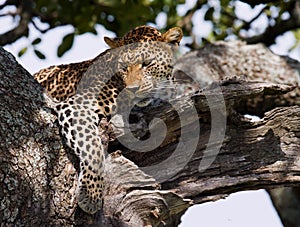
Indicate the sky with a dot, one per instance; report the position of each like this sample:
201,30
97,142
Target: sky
251,208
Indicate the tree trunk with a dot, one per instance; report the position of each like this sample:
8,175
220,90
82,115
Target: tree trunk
208,151
286,200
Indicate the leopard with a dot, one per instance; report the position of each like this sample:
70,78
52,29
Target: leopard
87,91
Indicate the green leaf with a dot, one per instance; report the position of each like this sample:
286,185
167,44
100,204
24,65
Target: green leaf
22,51
39,54
36,41
297,34
224,3
66,44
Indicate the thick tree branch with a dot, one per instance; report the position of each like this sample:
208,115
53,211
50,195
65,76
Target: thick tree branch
287,202
262,163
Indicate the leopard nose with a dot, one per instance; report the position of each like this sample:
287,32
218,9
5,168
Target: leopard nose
133,89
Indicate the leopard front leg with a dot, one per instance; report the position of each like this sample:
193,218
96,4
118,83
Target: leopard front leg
78,123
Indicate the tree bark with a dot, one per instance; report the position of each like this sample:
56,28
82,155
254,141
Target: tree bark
230,153
286,200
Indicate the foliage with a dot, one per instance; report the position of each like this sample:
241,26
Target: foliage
121,16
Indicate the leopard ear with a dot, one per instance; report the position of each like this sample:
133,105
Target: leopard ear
112,42
173,35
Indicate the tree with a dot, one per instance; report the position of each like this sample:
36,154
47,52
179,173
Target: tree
282,17
38,173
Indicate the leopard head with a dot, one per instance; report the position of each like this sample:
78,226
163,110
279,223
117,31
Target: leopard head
146,58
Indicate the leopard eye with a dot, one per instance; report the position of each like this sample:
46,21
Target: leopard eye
146,63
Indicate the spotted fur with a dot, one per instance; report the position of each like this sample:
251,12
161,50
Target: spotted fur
88,91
